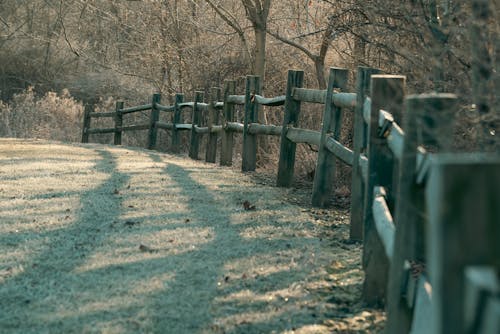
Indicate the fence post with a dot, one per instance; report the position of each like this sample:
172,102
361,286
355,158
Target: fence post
213,119
226,151
428,120
155,117
195,137
176,119
118,123
387,92
249,154
86,123
325,167
363,81
483,75
287,150
463,211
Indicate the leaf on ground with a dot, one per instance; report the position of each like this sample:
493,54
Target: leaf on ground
248,206
130,223
116,192
144,248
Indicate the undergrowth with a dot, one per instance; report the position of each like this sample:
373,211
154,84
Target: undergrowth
51,116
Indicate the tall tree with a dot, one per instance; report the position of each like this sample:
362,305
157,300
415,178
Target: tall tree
257,12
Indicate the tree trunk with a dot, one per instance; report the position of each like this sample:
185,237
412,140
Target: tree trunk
319,65
260,53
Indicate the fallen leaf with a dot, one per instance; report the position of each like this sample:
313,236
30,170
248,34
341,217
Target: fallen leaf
247,206
144,248
187,220
131,223
116,192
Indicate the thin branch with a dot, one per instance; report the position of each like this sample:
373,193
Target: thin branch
293,44
61,21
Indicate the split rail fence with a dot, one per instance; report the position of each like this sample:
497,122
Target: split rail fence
429,219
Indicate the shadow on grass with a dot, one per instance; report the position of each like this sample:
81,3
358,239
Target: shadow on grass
29,299
222,283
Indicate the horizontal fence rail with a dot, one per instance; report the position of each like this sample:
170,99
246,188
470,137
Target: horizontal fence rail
434,268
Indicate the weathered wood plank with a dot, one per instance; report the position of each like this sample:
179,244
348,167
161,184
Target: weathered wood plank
387,92
216,129
164,125
344,100
423,307
383,220
385,120
481,282
395,141
491,316
359,168
463,210
410,224
286,164
118,123
165,108
196,121
86,123
236,99
340,151
270,101
423,165
203,106
101,131
390,130
201,130
176,119
213,120
341,100
367,110
309,95
136,109
184,127
234,127
262,129
304,136
186,105
226,153
249,152
155,117
363,167
483,74
324,177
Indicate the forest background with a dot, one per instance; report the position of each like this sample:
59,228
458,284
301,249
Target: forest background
58,56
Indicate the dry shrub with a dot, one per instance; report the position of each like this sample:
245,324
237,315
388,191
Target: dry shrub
52,116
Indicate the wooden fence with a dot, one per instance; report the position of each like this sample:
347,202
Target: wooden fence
428,218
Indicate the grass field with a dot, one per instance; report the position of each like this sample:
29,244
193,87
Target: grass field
102,239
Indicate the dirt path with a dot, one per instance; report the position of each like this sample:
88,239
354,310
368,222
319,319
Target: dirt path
100,239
